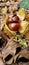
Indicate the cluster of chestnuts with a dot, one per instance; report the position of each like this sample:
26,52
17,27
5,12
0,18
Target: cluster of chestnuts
13,22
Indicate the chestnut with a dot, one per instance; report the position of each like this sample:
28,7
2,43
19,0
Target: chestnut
14,26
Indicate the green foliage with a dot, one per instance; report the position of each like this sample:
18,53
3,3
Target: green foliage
24,4
21,41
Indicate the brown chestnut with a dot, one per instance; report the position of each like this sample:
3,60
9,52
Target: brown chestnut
14,26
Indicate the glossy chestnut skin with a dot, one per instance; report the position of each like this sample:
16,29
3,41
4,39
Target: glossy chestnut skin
13,22
13,19
14,26
10,20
